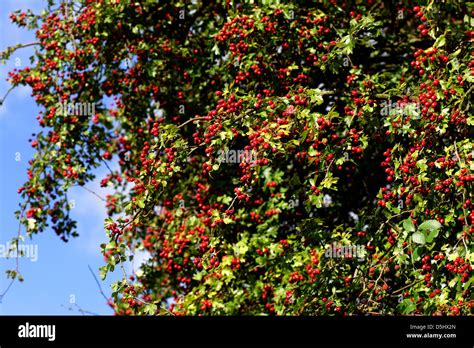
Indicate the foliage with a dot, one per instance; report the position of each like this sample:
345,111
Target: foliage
357,118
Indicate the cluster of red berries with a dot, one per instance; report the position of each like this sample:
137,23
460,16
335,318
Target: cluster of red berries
460,266
424,30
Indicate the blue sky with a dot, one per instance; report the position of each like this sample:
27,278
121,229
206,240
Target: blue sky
60,272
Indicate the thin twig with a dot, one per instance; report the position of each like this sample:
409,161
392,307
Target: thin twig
17,266
6,95
407,286
98,284
17,47
199,118
89,190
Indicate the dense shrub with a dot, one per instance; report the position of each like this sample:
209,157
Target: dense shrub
259,147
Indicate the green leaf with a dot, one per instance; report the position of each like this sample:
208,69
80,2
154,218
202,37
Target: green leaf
417,253
408,225
329,180
103,272
151,309
241,248
432,235
418,238
304,135
141,203
228,220
407,306
440,41
430,225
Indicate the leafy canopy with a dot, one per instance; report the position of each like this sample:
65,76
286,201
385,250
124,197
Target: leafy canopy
257,144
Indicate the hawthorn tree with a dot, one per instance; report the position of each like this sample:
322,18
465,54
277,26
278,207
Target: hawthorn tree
254,137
